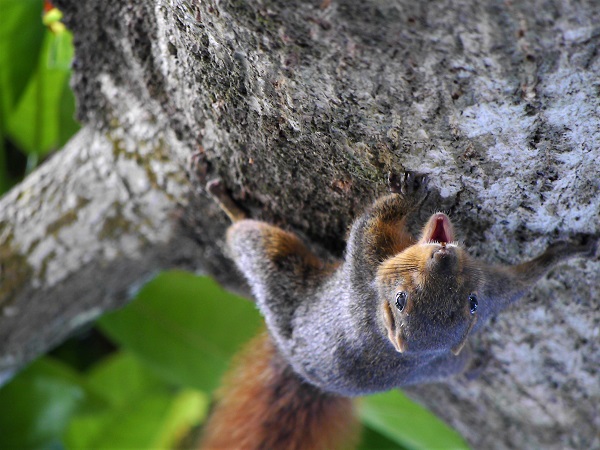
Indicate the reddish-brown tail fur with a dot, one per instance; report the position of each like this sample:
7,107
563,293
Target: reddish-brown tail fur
264,405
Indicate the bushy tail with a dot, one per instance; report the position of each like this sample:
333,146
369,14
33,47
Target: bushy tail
264,405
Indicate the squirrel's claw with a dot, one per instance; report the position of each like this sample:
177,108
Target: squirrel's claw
217,190
408,183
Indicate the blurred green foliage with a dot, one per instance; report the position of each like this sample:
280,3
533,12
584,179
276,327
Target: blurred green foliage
36,104
186,341
130,407
172,344
403,421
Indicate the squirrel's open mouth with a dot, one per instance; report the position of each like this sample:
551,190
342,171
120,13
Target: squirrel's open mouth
438,229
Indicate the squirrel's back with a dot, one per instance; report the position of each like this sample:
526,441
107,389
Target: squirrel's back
265,405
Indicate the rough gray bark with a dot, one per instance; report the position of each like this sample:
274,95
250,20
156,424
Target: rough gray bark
303,108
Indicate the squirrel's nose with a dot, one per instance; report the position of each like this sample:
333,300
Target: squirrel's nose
440,253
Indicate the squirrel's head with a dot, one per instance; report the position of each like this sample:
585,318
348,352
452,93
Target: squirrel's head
429,292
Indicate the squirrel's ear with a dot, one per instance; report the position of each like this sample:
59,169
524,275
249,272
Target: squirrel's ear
392,328
458,348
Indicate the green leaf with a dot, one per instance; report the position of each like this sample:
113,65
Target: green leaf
120,378
185,327
372,440
38,404
131,426
35,122
394,415
188,409
68,126
21,36
142,411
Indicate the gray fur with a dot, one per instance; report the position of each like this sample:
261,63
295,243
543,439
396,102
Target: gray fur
329,326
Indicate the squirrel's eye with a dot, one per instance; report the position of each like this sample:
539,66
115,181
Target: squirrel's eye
401,300
473,303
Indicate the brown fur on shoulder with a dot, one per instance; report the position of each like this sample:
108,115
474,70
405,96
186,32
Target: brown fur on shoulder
264,405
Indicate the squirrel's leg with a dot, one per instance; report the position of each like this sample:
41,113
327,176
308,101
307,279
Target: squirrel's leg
265,251
506,285
262,250
380,232
217,191
269,246
531,271
279,268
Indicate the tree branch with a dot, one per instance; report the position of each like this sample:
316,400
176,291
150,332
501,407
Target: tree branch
303,109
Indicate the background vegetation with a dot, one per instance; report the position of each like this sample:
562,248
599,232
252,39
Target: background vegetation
143,377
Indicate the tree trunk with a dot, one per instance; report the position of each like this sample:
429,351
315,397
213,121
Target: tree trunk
303,109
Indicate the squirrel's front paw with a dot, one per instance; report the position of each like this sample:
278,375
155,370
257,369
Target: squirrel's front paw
589,244
409,184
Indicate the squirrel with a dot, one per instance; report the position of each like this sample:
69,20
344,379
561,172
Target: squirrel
395,312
